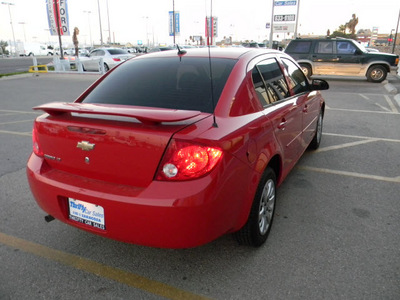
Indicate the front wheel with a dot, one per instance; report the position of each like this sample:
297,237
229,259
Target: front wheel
257,228
316,141
376,74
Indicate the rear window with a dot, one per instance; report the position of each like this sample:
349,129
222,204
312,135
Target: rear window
169,82
117,51
299,47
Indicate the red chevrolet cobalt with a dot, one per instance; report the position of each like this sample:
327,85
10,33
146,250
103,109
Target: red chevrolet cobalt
176,148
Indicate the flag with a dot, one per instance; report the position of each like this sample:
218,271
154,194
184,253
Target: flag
58,9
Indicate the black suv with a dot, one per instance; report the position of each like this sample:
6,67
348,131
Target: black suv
341,57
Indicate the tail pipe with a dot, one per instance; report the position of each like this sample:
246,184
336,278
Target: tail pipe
48,218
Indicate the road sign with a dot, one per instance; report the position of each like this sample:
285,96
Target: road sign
285,3
284,18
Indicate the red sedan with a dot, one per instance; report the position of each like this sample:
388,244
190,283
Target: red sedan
176,148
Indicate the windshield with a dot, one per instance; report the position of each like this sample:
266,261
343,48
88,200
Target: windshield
169,82
361,47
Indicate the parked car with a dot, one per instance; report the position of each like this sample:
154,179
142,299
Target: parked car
156,154
111,57
341,57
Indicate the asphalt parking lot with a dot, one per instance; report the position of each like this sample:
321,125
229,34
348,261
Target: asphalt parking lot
336,233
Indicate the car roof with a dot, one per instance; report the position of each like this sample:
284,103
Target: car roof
232,53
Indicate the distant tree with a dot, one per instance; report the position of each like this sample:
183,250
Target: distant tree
3,46
342,29
328,33
351,25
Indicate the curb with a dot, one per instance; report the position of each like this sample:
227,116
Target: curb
392,89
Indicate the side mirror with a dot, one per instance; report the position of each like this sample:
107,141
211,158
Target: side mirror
319,85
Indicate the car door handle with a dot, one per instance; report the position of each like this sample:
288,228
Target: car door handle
282,124
305,109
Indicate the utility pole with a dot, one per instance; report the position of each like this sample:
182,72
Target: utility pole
297,19
57,6
395,35
101,30
12,27
173,18
272,26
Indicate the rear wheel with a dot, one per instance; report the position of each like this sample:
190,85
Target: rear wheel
376,74
106,67
257,228
318,133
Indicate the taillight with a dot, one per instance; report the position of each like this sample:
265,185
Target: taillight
116,59
35,142
185,161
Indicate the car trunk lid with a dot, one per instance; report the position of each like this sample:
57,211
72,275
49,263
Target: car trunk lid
114,143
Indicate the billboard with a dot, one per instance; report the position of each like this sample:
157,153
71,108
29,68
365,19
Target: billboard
57,15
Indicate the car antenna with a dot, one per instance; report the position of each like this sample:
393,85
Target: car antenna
211,74
180,51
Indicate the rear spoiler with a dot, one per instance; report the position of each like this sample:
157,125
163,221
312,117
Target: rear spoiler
146,115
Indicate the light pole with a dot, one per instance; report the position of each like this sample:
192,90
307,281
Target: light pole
101,30
109,30
12,27
90,30
23,24
395,34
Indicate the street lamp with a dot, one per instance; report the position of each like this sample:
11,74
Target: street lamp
12,27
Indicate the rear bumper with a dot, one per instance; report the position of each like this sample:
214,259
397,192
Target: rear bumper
164,214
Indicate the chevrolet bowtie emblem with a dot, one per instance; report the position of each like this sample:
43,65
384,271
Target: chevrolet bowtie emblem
85,146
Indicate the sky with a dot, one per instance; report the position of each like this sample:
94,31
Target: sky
147,21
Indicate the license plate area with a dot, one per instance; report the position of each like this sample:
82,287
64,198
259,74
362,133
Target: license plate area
86,213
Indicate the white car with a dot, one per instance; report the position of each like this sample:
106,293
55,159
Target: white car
111,57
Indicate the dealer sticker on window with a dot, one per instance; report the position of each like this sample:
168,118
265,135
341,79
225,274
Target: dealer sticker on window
86,213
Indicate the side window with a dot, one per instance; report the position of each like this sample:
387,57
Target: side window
324,47
297,80
345,47
269,82
299,47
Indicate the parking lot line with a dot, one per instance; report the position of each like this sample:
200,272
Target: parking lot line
365,111
362,137
90,266
391,104
16,122
336,147
20,112
17,133
351,174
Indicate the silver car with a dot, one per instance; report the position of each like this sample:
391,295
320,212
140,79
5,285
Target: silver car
111,57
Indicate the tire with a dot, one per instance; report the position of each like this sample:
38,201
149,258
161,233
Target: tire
316,141
256,230
306,70
106,68
376,74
